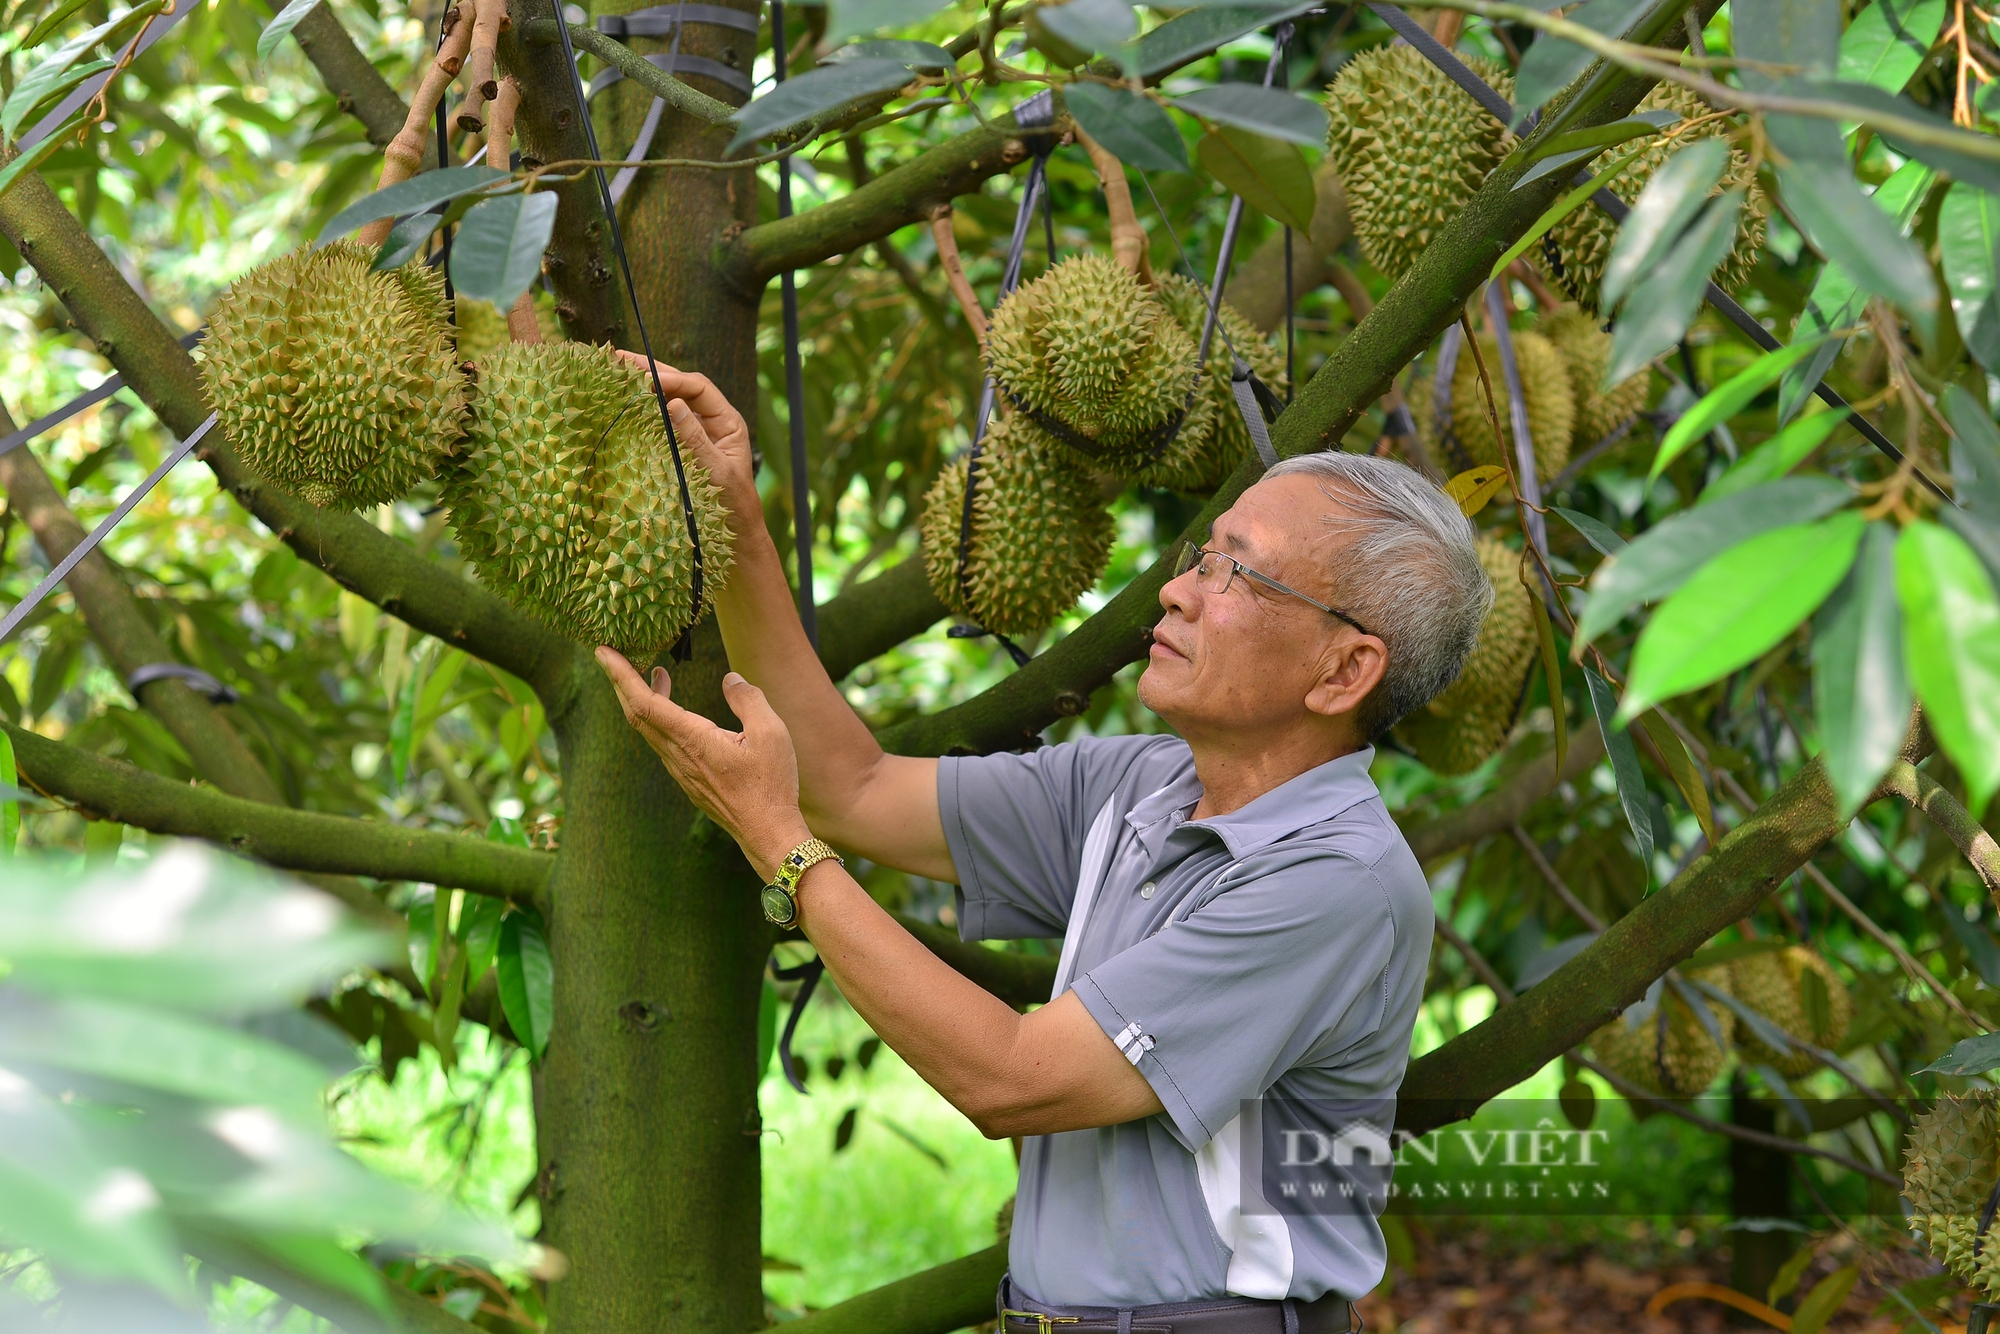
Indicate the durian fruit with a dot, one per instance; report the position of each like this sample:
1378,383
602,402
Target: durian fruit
1586,350
1470,718
1040,539
1411,148
1669,1052
1213,439
1575,252
1093,348
1951,1168
1545,384
1796,990
333,381
482,326
566,501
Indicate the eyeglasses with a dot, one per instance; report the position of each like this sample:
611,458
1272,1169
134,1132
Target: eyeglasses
1215,571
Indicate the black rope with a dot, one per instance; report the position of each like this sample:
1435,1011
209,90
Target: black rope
683,648
444,160
1616,209
795,388
808,975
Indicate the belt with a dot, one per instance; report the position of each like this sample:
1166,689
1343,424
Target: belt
1331,1314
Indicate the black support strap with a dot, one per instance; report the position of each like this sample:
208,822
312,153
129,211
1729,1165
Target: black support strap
808,975
193,677
91,398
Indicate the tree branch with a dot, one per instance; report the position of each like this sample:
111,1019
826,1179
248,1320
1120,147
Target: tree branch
679,96
357,555
893,200
955,1294
1966,833
1492,813
358,88
875,615
294,840
128,637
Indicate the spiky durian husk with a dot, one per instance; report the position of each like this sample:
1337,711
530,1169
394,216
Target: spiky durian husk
1581,242
1545,384
1040,539
1951,1166
1470,719
1213,439
334,381
1773,985
1671,1051
567,503
1091,346
1411,147
1586,350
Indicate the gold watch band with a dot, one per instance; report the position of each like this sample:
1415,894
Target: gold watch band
802,859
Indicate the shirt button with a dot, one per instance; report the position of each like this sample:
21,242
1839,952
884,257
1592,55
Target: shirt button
1146,890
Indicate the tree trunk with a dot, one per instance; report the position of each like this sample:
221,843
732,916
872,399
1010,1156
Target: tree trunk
646,1106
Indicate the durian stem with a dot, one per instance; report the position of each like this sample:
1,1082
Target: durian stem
522,326
488,22
405,153
954,269
1450,24
1128,238
1545,297
1943,810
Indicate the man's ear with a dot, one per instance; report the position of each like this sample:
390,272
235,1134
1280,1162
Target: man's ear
1351,670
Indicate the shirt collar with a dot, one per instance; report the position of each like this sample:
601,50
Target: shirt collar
1318,794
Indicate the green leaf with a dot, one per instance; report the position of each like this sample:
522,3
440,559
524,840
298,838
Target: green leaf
1104,26
50,22
1660,561
1563,207
1130,127
479,927
415,195
527,981
10,807
797,102
1553,63
1272,177
1969,1056
1861,694
405,239
1738,606
329,1264
1825,1300
61,88
927,56
847,18
1969,156
1727,399
280,27
40,153
1835,303
1951,638
767,1028
1656,314
39,83
422,943
1642,126
497,253
1859,237
1968,227
402,731
1203,29
1662,212
49,1178
1624,767
1981,950
1267,111
1975,455
1597,534
1886,42
1776,457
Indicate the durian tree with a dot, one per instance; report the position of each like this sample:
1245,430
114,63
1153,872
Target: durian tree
1738,831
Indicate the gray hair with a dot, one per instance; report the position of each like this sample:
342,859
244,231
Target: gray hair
1411,574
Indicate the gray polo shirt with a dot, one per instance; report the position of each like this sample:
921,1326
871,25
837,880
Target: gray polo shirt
1274,954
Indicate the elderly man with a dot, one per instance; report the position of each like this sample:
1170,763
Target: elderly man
1245,933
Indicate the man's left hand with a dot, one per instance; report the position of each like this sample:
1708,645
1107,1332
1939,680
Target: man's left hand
747,782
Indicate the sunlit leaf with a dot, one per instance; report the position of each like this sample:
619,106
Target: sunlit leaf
1272,177
50,23
1776,457
1951,637
1624,766
497,254
1739,606
1266,111
1130,127
1886,41
1660,561
1727,399
797,102
10,805
280,27
1861,694
38,83
1473,488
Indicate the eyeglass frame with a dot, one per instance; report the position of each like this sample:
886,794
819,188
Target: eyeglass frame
1190,557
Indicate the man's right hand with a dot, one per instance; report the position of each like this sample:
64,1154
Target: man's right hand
712,428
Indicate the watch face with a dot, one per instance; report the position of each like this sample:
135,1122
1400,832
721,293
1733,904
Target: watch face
779,906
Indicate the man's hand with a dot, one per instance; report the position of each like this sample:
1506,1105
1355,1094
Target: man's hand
710,425
747,782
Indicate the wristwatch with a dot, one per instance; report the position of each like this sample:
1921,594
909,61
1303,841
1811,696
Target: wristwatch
780,897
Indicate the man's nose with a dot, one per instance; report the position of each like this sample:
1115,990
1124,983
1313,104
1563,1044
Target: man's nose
1180,596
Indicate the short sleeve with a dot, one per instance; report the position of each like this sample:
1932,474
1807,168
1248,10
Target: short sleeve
1292,957
1015,825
